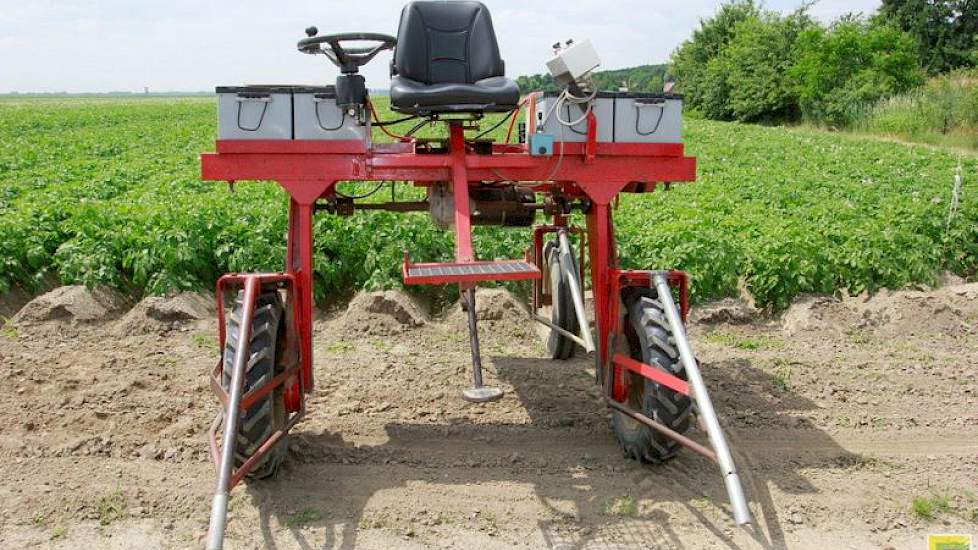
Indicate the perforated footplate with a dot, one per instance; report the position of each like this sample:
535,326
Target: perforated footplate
506,270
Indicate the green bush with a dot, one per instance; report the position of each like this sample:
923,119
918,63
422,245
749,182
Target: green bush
944,111
842,70
947,30
752,65
700,73
756,62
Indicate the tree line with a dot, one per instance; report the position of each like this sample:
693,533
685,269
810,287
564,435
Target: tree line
645,78
754,65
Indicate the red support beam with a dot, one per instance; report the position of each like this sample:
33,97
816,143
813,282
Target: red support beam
601,247
308,171
656,375
460,190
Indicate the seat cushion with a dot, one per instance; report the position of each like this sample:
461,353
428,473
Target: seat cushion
494,94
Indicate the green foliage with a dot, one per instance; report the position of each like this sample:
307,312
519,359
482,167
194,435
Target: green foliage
111,507
624,507
750,64
644,78
756,62
109,192
843,69
943,112
697,64
946,29
303,517
929,507
799,211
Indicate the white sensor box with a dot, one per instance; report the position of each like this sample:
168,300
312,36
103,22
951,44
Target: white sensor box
573,62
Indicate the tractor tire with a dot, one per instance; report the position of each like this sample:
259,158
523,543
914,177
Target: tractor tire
649,340
562,311
268,414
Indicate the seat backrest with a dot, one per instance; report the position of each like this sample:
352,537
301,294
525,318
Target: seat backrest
446,42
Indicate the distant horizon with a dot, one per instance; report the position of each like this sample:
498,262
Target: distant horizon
112,45
375,91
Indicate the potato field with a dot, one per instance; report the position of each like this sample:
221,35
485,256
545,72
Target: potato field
107,191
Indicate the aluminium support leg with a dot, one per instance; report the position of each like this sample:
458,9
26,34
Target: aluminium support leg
717,440
219,506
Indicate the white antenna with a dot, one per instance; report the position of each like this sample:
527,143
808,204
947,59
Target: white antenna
955,197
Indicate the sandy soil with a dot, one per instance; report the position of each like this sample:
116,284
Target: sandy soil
841,412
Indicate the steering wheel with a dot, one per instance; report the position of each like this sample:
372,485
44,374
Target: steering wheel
349,60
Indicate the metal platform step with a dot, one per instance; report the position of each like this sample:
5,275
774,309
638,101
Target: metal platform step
468,272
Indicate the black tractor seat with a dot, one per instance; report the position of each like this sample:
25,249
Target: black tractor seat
447,61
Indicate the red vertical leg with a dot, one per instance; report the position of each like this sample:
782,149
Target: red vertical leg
291,252
298,260
460,189
601,245
304,246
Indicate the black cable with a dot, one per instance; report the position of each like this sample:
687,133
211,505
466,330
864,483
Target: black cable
319,119
417,127
638,116
261,118
365,195
498,124
392,122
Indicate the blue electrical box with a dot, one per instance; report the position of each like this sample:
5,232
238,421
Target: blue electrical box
541,145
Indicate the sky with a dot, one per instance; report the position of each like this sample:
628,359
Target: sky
195,45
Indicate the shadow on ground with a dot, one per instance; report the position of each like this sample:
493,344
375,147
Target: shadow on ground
571,429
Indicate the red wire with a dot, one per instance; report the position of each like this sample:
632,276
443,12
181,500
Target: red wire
512,121
383,128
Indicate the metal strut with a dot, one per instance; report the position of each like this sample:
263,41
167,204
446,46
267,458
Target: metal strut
717,440
574,282
219,506
584,339
478,393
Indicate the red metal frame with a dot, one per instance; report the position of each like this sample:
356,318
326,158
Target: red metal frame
597,172
290,362
619,280
652,373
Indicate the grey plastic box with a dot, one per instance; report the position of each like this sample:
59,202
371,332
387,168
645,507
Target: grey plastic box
254,112
604,111
316,116
648,118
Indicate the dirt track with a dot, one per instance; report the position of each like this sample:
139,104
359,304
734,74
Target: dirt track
841,413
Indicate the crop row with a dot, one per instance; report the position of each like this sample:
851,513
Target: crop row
108,192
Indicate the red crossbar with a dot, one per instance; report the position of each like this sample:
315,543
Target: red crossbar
652,373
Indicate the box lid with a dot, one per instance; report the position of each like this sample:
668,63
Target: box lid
255,89
626,95
329,91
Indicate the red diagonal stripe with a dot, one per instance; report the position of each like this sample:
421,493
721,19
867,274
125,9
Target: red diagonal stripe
652,373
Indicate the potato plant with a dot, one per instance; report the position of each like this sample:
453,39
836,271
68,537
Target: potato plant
107,191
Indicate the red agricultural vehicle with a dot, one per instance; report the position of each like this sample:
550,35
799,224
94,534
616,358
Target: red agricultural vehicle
578,149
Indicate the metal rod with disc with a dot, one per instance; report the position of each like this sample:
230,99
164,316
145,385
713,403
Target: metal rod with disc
477,393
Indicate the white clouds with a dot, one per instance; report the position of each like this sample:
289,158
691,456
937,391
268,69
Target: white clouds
77,45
